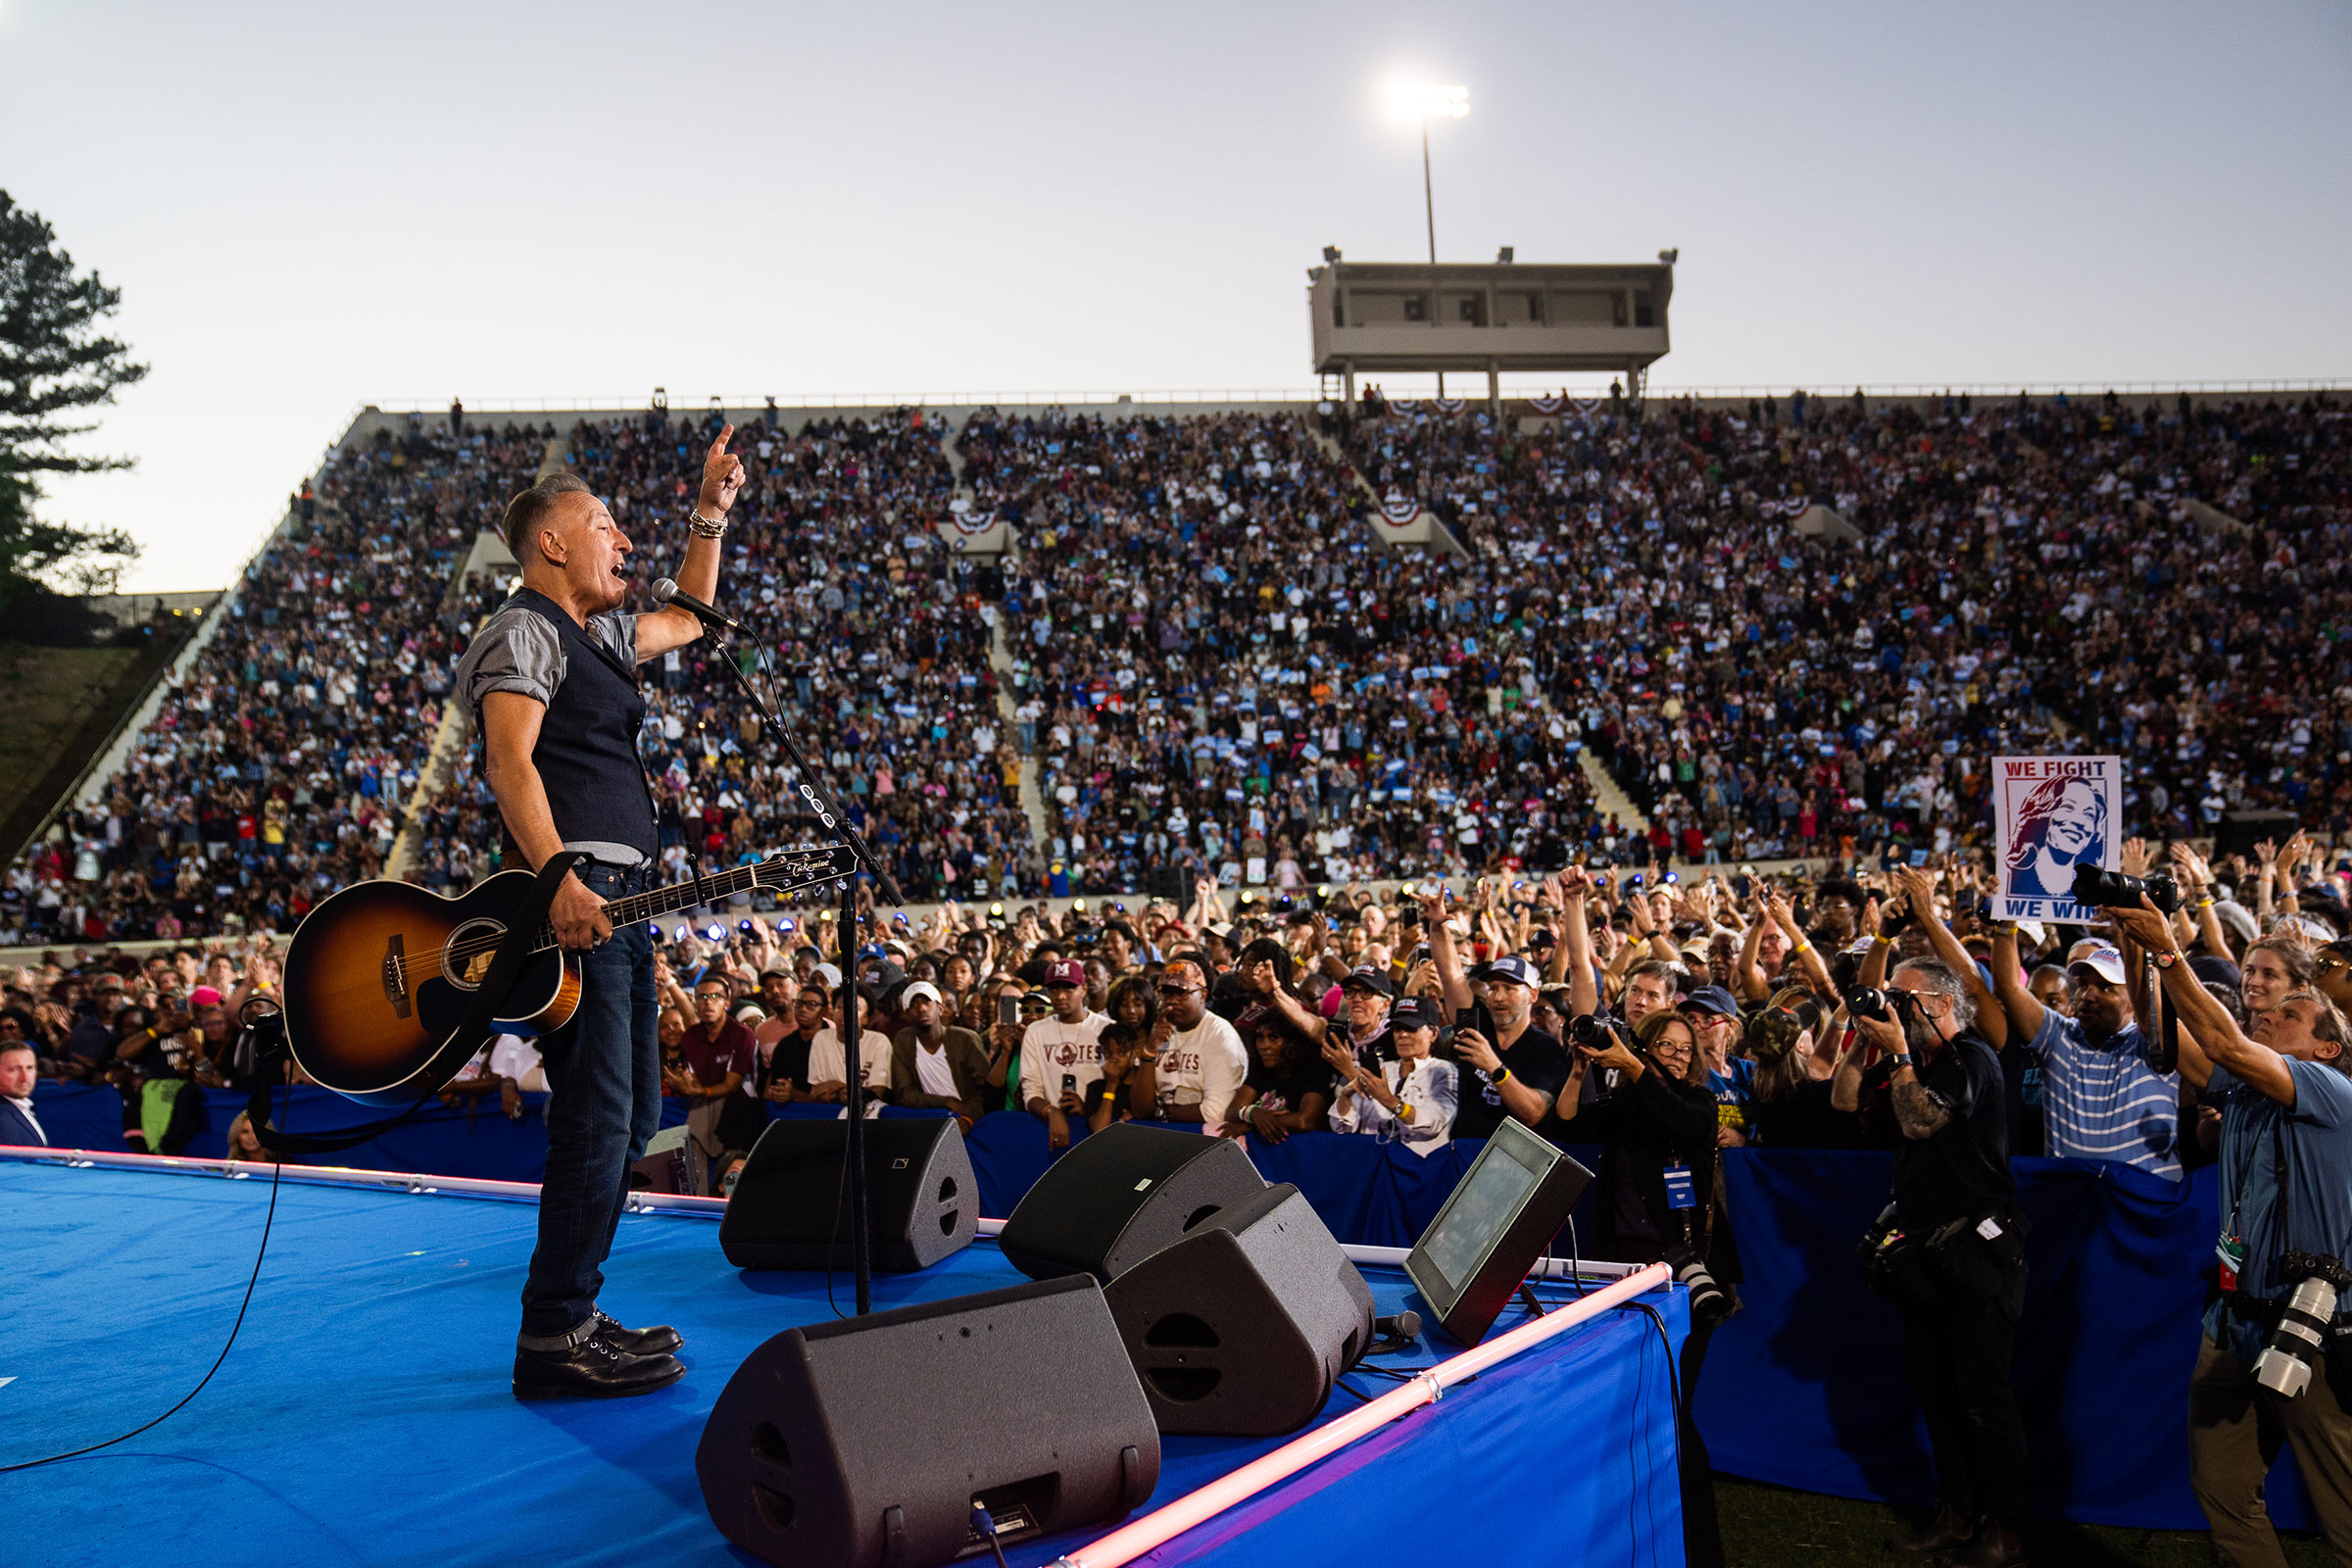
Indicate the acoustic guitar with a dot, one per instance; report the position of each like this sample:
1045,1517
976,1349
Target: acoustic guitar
379,979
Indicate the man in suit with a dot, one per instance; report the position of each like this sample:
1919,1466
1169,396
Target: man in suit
17,1071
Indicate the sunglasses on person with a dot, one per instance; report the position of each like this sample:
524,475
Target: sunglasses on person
1179,991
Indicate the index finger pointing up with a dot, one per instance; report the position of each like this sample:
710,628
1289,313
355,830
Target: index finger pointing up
720,445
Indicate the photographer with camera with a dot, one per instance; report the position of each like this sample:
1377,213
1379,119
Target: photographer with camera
2276,1358
1950,1253
1653,1194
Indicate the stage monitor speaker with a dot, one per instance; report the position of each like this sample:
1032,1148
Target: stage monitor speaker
2237,832
1242,1326
1514,1200
869,1440
1116,1196
791,1206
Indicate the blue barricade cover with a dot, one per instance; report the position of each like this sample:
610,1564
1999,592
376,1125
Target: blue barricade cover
1804,1386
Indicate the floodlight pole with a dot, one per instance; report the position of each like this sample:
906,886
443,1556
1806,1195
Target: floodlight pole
1428,209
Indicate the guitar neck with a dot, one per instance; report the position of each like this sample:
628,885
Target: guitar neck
655,903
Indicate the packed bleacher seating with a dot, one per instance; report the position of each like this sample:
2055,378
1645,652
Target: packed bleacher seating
276,769
1214,660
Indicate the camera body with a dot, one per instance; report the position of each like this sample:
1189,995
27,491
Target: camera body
1879,1007
2112,890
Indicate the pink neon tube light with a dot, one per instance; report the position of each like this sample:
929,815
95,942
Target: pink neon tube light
1162,1525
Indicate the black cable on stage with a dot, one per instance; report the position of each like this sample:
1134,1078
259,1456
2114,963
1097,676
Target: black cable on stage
276,1170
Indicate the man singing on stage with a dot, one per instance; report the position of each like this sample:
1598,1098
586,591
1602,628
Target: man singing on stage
551,679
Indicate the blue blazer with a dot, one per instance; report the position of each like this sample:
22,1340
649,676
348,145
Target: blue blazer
18,1128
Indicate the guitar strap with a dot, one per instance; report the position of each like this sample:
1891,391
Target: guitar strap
505,967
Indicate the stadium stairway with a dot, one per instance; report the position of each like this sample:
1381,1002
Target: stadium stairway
456,734
1607,797
1000,660
1441,535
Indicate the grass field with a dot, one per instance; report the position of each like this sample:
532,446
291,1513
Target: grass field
57,705
1772,1527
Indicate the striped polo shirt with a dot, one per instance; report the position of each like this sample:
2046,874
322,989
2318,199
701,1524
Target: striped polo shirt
2102,1100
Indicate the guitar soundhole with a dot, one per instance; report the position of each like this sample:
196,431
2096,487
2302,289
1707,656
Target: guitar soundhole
467,955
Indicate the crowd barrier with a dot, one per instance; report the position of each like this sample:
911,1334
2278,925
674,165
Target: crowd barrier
1803,1387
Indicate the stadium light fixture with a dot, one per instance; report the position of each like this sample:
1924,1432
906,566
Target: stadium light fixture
1425,102
1331,254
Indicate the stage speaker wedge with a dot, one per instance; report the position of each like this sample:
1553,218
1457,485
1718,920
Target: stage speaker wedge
790,1207
866,1443
1116,1196
1242,1326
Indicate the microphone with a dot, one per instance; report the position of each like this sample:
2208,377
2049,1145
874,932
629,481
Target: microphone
667,592
1403,1326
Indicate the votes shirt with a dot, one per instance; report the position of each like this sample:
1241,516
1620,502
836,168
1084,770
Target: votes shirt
1052,1049
1536,1058
1203,1067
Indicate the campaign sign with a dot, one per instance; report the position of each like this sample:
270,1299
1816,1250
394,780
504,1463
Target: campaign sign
2051,815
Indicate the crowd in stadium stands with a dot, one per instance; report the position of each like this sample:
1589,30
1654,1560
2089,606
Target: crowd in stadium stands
276,767
881,662
2160,580
1228,668
1217,664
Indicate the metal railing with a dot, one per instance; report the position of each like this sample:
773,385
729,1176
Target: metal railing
1513,386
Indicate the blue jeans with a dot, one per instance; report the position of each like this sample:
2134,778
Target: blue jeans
604,1077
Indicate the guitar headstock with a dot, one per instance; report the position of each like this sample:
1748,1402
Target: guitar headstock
805,867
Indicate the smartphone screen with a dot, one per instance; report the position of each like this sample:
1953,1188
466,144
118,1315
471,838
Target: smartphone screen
1919,856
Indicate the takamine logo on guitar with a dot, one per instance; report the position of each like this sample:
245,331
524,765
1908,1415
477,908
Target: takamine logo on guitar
380,978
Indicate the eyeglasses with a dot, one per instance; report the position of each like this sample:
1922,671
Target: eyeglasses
1179,991
2330,961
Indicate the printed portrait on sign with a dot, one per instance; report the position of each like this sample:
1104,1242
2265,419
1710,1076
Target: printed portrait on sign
2061,824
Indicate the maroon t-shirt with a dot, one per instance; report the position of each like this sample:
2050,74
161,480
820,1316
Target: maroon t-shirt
710,1060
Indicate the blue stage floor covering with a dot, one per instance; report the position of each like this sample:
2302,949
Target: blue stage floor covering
364,1416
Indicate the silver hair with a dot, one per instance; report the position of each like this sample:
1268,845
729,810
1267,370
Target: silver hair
1938,977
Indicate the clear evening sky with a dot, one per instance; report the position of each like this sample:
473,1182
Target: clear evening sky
307,207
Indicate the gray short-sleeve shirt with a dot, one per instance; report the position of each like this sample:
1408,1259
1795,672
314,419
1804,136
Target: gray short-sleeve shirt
515,649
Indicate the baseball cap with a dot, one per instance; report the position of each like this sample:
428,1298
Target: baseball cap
205,997
920,988
1711,998
1511,966
1371,980
1068,972
1033,1000
828,974
2100,959
1415,1012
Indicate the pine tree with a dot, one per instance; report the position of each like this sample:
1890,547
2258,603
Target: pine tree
54,359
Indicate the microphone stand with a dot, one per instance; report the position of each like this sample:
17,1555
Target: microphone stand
820,801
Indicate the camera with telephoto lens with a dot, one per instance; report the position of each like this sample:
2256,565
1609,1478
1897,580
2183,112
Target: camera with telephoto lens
2103,889
1711,1302
2300,1340
1869,1002
1595,1031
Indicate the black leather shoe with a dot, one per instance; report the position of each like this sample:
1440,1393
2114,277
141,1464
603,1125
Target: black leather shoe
1987,1551
1937,1535
661,1339
594,1369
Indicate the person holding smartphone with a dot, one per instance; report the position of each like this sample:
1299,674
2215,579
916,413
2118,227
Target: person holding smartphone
1062,1056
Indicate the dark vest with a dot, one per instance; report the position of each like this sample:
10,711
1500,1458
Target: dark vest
587,750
